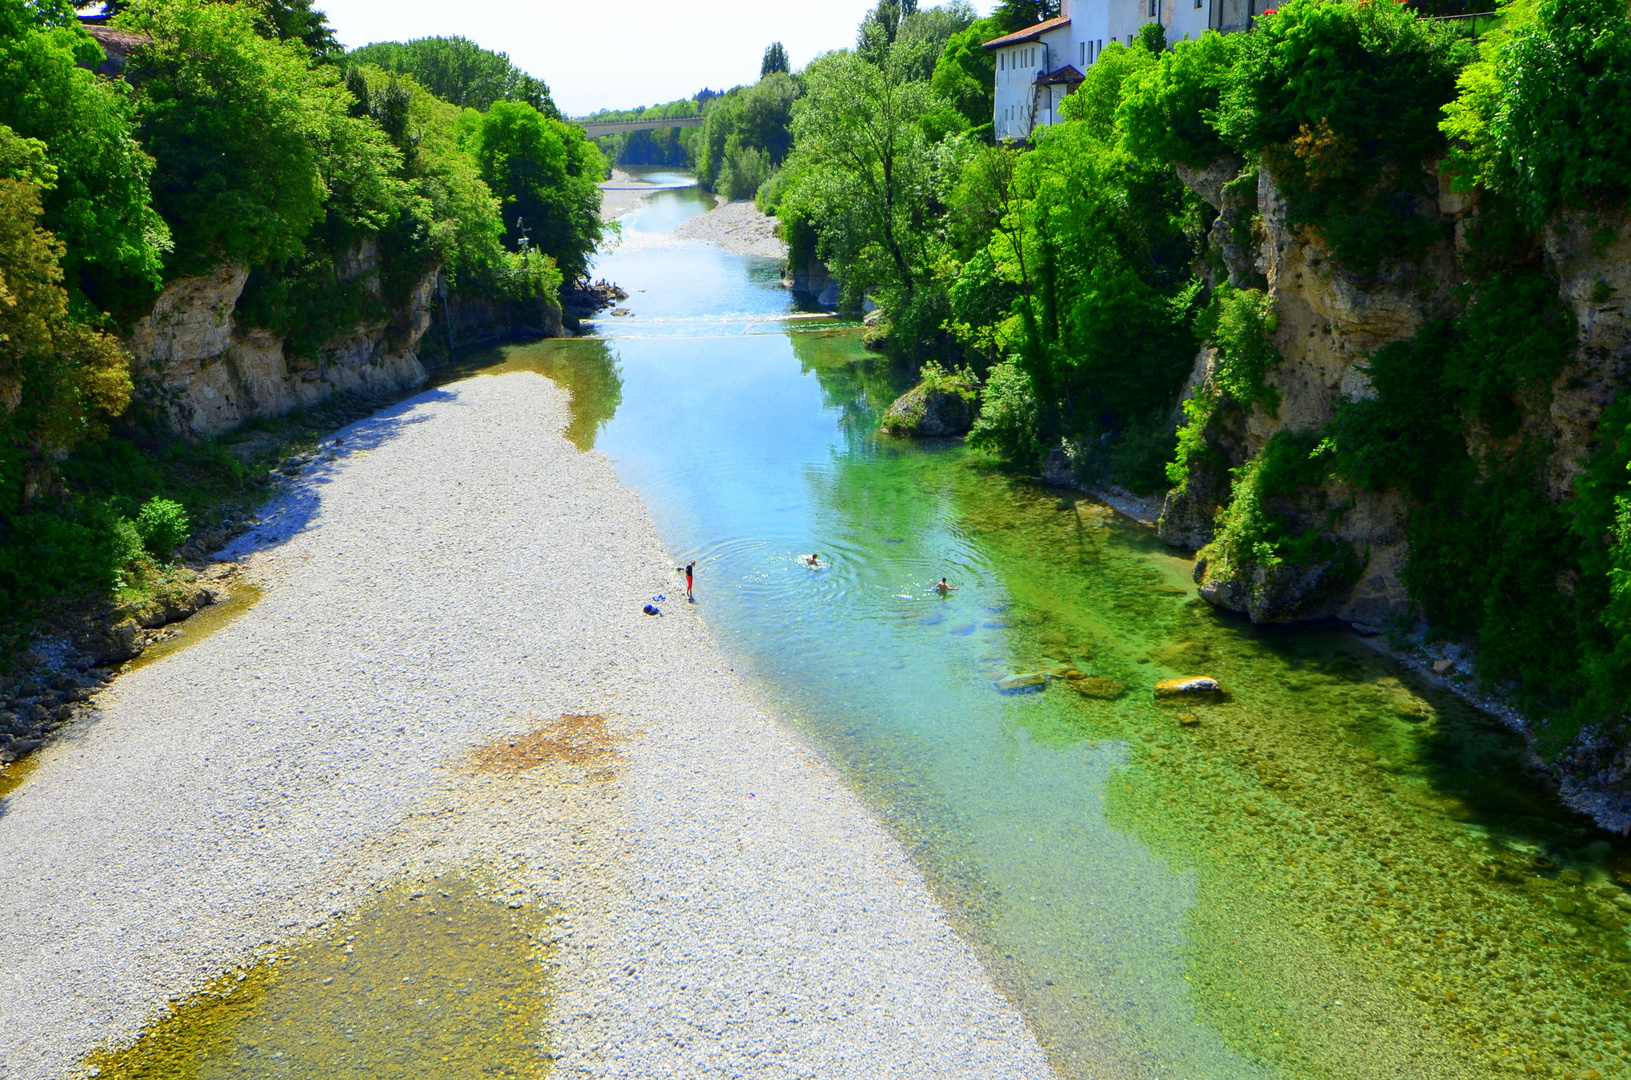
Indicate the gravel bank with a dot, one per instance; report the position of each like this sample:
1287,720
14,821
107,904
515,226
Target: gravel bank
457,574
738,227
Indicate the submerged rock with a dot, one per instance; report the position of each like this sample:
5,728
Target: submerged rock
1099,687
1032,683
1189,686
936,411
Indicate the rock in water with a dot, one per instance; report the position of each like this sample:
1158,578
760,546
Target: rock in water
1189,686
1032,683
933,412
1099,687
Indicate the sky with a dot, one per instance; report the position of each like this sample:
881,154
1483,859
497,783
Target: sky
617,55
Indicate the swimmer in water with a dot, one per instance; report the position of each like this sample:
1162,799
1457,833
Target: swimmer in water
813,559
943,589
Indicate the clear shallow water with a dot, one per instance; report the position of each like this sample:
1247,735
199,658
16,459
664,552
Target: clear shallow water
1334,873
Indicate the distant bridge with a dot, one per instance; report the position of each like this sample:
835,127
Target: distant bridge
617,127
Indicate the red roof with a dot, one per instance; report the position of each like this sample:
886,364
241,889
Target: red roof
1029,33
1065,76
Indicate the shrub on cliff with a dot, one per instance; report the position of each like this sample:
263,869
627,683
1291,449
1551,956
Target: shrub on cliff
1559,135
60,380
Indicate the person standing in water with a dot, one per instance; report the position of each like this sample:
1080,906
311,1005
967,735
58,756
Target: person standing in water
943,589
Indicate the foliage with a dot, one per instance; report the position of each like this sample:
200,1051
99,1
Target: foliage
775,61
1343,101
251,141
459,71
1238,324
1258,527
60,380
965,75
1487,545
162,526
1558,136
98,206
1008,420
546,175
755,118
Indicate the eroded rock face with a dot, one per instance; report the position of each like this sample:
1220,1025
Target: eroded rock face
208,374
1330,321
1591,258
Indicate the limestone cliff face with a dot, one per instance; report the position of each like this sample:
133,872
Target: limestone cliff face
1330,322
1590,255
206,373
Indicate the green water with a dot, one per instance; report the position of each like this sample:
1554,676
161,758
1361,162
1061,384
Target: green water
1333,873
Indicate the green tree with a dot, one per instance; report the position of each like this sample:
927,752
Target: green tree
458,70
966,72
251,141
60,380
99,206
775,61
547,176
867,173
1014,15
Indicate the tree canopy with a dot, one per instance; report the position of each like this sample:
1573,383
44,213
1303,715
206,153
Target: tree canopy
458,70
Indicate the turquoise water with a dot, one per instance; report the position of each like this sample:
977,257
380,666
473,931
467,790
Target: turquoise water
1333,872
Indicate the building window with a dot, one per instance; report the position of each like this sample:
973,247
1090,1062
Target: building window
1153,4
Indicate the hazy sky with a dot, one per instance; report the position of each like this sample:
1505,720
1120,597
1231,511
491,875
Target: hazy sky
617,55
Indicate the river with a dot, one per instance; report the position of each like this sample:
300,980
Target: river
1335,872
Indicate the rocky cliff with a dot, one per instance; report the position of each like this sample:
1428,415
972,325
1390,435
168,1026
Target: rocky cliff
195,361
1328,322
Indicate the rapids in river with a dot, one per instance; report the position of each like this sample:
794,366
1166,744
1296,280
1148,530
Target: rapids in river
1336,871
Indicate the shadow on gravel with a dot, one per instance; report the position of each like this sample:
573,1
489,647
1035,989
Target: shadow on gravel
294,511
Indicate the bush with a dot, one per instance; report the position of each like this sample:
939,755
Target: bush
98,204
162,525
1237,323
744,172
1007,424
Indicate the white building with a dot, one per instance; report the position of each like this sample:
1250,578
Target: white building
1038,67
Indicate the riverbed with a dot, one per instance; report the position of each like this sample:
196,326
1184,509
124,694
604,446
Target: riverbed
1333,871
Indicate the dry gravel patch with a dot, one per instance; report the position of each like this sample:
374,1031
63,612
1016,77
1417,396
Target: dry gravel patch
450,579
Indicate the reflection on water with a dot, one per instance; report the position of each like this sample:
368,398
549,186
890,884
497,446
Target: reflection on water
1335,872
437,980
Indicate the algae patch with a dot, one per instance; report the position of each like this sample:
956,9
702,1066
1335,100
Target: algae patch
440,979
197,627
